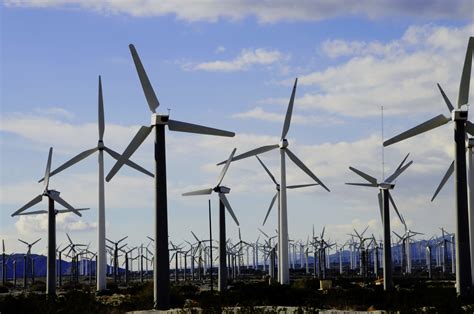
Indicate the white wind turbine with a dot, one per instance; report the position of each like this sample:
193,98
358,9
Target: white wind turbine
161,284
277,187
101,257
283,263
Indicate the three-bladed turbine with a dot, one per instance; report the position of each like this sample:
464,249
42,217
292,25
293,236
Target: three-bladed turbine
384,198
161,285
283,261
462,126
53,196
223,204
101,256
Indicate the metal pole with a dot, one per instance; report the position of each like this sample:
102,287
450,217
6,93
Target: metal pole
470,176
463,259
387,248
51,270
210,242
222,249
284,274
161,267
101,266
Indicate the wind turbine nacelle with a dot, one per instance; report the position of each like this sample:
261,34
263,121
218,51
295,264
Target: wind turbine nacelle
222,189
158,119
459,114
387,186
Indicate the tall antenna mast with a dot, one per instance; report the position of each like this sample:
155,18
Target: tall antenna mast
383,155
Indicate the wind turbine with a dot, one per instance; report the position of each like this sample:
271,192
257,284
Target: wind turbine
223,204
277,187
116,250
161,284
461,126
384,197
101,258
283,264
53,196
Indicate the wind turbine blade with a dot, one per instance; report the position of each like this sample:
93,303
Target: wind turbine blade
23,242
403,162
398,172
58,199
303,167
122,239
266,235
224,170
396,209
365,176
101,111
224,200
69,238
60,211
445,178
380,197
195,237
300,186
362,234
289,111
72,161
362,184
48,169
463,97
129,163
446,99
31,203
269,209
268,171
35,212
397,235
35,242
198,192
322,233
253,152
240,236
131,148
470,127
421,128
150,95
179,126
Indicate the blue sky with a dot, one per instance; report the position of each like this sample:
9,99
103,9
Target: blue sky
229,66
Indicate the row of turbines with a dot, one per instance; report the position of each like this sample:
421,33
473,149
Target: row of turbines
464,241
318,257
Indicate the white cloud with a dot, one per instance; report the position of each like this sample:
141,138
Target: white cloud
220,49
47,130
259,114
245,60
265,11
54,112
26,225
400,75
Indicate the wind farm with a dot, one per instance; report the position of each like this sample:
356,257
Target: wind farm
216,220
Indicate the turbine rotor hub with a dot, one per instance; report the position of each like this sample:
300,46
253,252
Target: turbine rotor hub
283,143
100,145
